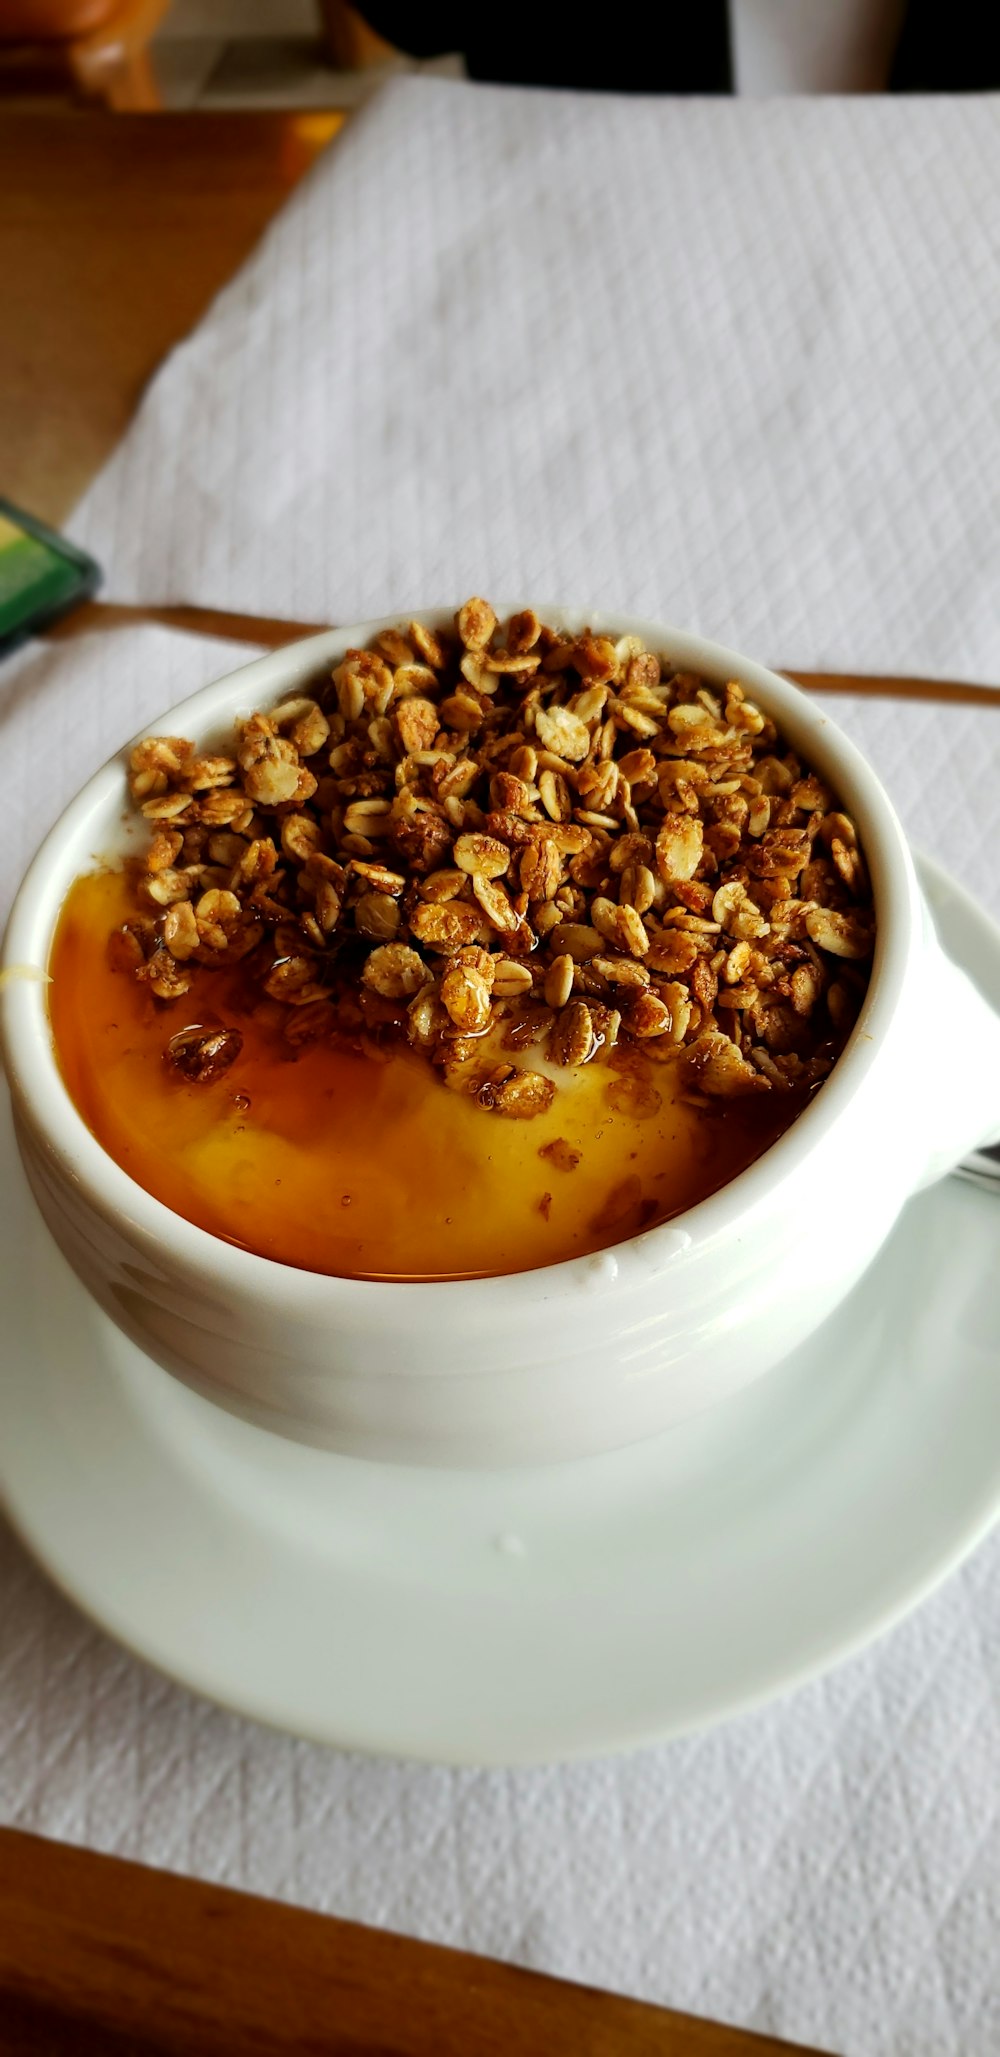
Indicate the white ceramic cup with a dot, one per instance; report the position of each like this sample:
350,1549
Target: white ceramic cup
576,1357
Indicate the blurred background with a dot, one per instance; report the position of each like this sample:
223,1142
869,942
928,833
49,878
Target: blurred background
147,55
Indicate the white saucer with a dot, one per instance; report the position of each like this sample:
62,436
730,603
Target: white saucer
518,1616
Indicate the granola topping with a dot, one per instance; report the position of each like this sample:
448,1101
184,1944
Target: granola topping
458,825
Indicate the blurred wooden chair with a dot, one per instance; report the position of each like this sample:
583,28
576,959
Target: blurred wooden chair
103,44
350,41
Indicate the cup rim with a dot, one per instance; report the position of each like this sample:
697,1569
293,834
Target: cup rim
40,1094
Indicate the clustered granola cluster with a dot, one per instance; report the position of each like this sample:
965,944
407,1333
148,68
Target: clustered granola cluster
559,839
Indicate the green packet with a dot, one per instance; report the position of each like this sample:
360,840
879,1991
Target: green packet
41,575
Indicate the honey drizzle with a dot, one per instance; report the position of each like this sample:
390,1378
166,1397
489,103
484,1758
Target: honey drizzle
360,1162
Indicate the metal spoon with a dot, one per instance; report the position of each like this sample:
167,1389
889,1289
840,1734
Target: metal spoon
981,1167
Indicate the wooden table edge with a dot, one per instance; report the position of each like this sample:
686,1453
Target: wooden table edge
99,1955
272,632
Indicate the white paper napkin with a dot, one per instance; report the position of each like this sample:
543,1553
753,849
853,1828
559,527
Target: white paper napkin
731,363
827,1869
65,707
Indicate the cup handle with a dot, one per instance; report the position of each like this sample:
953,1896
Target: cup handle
964,1114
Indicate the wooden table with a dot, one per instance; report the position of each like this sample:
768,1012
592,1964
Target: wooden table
104,1959
115,233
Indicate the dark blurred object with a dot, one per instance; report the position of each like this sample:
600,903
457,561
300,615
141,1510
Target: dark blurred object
42,576
638,50
945,46
103,44
948,46
352,44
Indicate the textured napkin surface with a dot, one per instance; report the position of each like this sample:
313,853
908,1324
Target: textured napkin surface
827,1869
733,364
